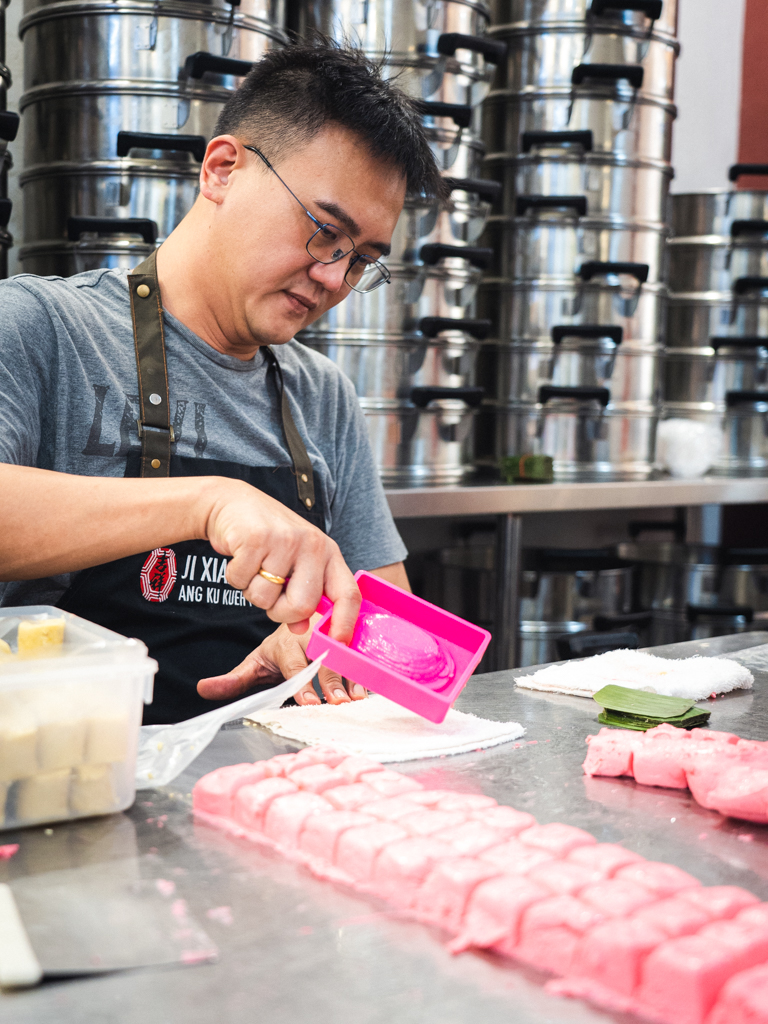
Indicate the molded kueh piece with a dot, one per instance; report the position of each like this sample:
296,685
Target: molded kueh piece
550,932
742,792
556,838
614,956
662,879
286,815
504,819
401,867
349,798
617,897
660,763
316,778
444,894
320,755
357,848
425,822
468,802
389,783
755,916
281,764
604,857
391,808
356,765
251,802
427,797
321,831
720,901
514,858
471,838
611,752
564,878
215,792
674,917
494,911
743,999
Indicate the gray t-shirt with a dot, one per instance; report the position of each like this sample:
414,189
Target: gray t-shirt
69,402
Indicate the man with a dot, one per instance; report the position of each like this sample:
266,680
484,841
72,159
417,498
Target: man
164,472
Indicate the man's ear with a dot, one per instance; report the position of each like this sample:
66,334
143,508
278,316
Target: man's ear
223,155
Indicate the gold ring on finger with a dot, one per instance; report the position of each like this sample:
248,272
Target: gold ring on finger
272,577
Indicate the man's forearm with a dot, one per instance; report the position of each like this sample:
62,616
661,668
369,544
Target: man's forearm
56,522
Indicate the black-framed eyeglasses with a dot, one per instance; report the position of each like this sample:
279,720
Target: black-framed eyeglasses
329,244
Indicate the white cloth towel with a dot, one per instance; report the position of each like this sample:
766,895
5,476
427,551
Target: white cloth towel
691,678
385,731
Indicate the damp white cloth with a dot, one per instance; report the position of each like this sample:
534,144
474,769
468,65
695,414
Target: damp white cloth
691,678
385,731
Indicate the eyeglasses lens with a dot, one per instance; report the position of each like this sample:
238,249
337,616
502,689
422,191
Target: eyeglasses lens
329,244
365,277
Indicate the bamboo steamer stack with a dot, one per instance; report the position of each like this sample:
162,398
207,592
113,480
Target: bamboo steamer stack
716,366
121,98
410,347
578,131
9,126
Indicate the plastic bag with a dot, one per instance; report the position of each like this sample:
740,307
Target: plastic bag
166,750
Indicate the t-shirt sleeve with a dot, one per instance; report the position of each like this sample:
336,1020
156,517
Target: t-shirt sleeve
25,367
361,523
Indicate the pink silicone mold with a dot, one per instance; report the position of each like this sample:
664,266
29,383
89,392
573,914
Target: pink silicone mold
394,658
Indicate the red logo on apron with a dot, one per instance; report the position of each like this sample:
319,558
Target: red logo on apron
158,574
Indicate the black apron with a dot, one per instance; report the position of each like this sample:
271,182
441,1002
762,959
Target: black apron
176,599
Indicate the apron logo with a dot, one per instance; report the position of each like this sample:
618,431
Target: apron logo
158,574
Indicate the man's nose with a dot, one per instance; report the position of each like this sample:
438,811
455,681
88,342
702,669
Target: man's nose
330,275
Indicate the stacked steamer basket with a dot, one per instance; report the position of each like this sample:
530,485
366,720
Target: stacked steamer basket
578,131
121,98
410,347
9,125
716,367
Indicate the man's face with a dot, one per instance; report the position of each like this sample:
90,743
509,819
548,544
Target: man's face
272,285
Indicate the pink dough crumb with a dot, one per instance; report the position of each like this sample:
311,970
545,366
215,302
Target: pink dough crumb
280,765
317,778
389,783
318,755
471,838
514,858
465,802
550,932
555,838
719,901
8,850
425,821
674,917
617,897
494,911
357,848
321,831
563,878
221,914
505,820
662,879
614,956
604,857
251,802
215,792
349,798
286,815
165,887
744,998
401,867
356,765
610,752
446,890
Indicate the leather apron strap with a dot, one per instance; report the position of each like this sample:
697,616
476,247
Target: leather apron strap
155,430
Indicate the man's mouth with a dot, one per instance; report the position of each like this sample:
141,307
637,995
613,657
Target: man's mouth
301,303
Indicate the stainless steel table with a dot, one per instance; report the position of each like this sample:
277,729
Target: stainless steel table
299,949
508,503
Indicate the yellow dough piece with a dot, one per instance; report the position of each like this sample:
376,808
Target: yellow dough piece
60,742
5,647
92,791
43,637
107,739
18,743
44,797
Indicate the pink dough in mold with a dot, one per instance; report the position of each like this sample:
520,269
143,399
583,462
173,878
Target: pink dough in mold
251,802
469,802
357,848
403,647
606,858
674,916
316,778
388,783
562,877
401,867
744,999
514,858
505,820
662,879
719,901
617,897
349,798
614,956
356,765
550,932
446,890
555,838
425,822
471,838
215,792
286,815
321,831
494,912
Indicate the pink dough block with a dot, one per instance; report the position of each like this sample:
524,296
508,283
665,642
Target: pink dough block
713,736
425,822
742,792
357,848
251,802
389,783
705,765
215,792
550,932
286,815
349,798
316,778
280,765
555,838
401,867
614,956
494,911
443,896
514,858
505,819
356,765
318,755
719,901
392,808
321,831
617,897
681,978
660,763
661,879
465,802
674,917
563,878
744,999
756,916
610,752
427,797
606,858
471,838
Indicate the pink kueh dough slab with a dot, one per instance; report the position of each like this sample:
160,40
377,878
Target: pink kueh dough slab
627,934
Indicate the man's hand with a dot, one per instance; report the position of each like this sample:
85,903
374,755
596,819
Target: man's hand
279,657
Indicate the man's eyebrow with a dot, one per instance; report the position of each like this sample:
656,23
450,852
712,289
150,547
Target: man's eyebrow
351,225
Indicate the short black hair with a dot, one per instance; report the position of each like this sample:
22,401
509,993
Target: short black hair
292,94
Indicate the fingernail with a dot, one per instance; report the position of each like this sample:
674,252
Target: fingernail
339,693
358,690
311,698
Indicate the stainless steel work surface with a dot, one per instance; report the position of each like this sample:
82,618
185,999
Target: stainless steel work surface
299,949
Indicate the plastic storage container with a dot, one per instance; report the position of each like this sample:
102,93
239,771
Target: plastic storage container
71,696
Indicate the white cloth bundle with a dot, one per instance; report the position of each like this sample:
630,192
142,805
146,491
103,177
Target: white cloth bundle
385,731
692,678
